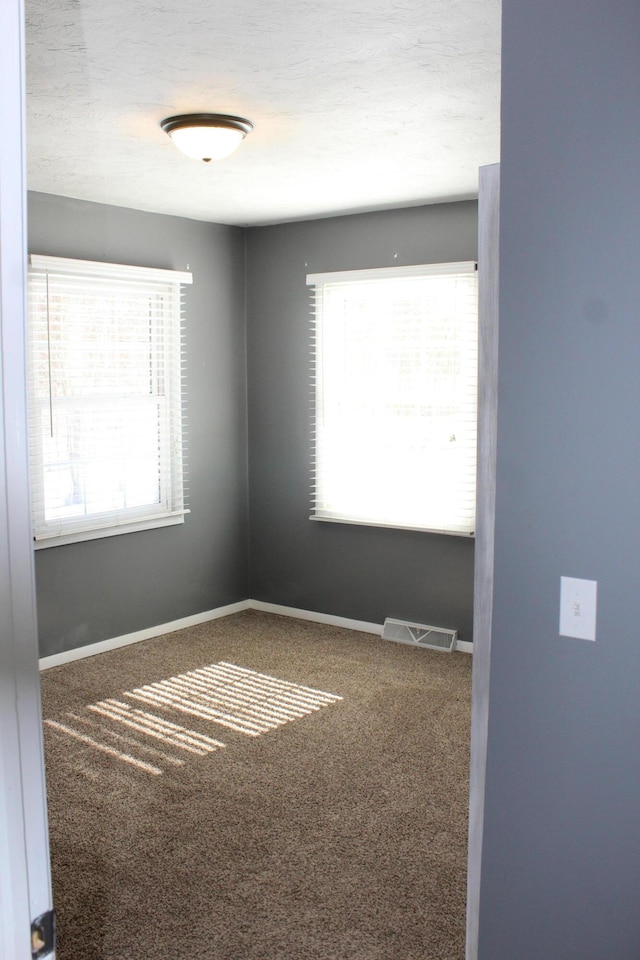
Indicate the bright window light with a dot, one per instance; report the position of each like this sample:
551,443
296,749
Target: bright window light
395,377
106,431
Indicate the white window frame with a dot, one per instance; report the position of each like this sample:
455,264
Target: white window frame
379,492
163,289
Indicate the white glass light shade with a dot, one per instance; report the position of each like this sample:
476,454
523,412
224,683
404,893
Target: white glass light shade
206,143
207,136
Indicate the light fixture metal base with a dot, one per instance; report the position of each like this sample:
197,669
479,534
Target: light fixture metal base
206,120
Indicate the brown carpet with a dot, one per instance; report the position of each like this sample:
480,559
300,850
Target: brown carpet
258,788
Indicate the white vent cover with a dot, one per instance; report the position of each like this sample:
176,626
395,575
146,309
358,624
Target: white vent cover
420,635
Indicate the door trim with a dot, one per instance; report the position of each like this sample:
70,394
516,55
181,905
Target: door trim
488,262
25,882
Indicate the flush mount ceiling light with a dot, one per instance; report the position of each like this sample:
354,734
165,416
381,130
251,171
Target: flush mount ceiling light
207,136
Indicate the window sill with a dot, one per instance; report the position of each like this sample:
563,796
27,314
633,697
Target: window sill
79,536
394,526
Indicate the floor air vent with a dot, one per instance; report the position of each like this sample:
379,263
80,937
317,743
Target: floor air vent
419,635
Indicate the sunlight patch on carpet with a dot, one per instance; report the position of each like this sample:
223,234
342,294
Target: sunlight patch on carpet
223,694
234,697
102,747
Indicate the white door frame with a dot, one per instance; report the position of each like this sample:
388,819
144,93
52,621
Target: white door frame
488,290
25,882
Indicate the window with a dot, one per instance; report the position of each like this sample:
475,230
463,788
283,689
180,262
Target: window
395,383
105,408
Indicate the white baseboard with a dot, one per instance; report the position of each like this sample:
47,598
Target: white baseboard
91,649
316,617
56,659
462,646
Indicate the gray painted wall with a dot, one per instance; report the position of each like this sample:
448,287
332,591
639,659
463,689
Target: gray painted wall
365,573
104,588
116,585
561,863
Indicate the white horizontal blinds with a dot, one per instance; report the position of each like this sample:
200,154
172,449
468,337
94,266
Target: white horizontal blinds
106,431
395,370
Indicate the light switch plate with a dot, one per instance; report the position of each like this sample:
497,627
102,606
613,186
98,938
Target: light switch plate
578,599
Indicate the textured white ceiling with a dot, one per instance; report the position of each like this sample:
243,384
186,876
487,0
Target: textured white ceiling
356,104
